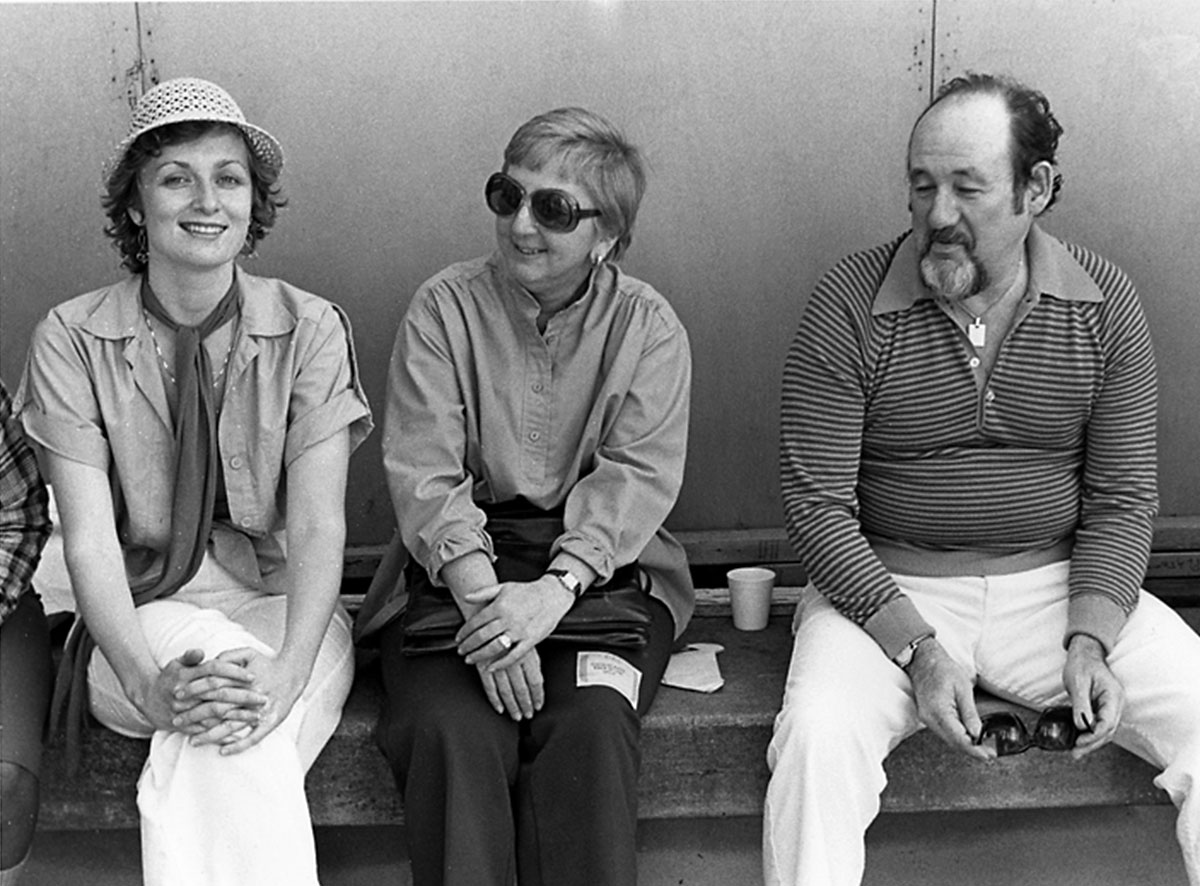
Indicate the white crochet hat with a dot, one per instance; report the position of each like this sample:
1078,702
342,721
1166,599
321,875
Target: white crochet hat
189,98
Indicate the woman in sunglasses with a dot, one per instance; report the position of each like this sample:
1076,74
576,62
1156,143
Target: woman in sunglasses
537,411
196,423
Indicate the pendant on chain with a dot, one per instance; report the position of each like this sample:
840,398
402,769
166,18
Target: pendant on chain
977,333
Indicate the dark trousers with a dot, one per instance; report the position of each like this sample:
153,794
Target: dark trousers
550,801
25,683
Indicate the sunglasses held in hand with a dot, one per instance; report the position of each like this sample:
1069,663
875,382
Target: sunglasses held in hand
553,209
1055,731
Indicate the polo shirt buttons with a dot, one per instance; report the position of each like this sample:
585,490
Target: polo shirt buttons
989,397
536,387
534,436
236,462
973,362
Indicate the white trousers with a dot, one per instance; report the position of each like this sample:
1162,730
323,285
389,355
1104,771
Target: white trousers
846,706
240,820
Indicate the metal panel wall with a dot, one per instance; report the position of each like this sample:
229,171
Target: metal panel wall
775,134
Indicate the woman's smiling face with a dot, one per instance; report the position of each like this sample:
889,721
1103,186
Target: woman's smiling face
550,265
195,202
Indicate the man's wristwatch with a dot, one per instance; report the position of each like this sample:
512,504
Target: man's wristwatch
905,656
573,585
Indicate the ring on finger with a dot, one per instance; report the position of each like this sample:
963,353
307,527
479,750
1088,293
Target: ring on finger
504,640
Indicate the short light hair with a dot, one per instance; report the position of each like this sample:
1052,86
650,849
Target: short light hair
586,149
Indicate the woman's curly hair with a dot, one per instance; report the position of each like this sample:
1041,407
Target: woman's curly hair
121,188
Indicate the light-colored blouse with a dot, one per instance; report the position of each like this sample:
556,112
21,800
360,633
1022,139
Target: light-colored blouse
93,393
591,413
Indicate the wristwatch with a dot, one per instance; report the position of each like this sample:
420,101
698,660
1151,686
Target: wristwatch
905,656
569,581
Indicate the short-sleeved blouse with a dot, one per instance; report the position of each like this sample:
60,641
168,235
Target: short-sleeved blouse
93,393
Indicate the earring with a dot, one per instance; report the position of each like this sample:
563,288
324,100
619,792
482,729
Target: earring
248,249
143,254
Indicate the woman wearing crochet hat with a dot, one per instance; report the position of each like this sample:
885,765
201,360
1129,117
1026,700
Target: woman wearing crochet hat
172,409
535,438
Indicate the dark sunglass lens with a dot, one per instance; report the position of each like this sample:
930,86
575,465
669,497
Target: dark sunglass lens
1056,730
554,210
1005,732
503,195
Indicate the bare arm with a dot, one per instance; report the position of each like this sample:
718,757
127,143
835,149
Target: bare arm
97,570
316,536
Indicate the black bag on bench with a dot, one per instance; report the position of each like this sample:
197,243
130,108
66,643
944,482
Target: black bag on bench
614,614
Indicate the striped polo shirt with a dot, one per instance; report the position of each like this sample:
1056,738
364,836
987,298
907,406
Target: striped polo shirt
894,458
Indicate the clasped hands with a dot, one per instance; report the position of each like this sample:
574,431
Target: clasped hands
233,700
504,624
945,696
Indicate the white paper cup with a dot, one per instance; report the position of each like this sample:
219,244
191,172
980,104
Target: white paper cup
750,596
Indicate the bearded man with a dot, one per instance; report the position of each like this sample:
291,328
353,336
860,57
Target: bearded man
968,475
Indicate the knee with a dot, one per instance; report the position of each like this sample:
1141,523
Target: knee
605,728
430,736
18,812
817,725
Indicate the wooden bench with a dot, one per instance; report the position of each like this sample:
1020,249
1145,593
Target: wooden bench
703,755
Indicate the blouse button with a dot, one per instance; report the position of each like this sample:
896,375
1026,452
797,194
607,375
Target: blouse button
235,462
974,361
535,436
537,387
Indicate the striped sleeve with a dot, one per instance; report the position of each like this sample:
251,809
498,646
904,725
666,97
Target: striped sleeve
824,399
1119,500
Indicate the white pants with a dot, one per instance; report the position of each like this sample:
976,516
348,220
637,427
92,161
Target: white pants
846,706
240,820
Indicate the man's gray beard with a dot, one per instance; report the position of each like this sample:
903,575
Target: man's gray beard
953,280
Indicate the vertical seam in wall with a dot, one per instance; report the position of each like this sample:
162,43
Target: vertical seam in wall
141,54
932,47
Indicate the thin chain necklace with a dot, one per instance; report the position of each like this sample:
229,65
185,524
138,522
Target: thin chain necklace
166,368
977,329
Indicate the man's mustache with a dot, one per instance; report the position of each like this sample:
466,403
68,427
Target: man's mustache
951,236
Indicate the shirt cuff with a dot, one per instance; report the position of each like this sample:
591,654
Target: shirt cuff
81,443
1096,615
450,548
896,624
601,562
347,409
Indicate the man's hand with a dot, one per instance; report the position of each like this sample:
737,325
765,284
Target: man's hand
946,699
516,690
1097,697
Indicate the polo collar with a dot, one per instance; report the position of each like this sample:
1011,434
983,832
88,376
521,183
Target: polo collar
1053,271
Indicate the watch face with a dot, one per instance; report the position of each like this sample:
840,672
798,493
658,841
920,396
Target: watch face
570,582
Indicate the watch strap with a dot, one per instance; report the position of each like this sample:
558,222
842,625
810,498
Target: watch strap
569,581
905,656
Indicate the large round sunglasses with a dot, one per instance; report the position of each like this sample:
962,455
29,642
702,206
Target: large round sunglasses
553,209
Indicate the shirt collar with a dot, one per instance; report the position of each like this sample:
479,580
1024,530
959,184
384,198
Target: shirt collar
527,304
119,314
1052,271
